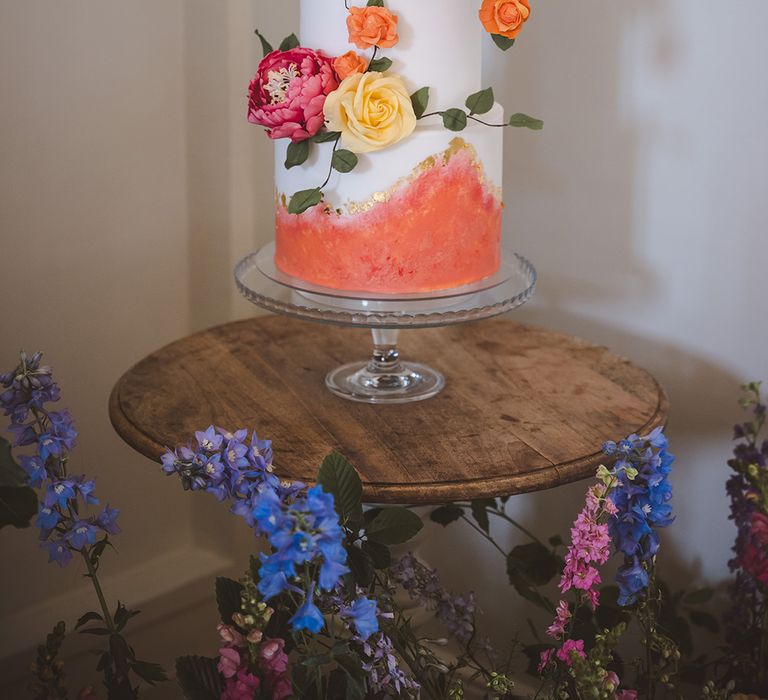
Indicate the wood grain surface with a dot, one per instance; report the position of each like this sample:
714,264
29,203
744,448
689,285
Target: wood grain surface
524,408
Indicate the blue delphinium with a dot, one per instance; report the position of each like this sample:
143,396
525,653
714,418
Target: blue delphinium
27,392
301,525
363,614
641,497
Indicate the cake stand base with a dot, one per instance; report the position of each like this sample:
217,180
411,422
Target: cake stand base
385,378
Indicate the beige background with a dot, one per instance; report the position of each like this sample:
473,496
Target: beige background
130,183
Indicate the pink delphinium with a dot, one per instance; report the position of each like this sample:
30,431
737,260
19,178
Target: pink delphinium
288,93
565,653
557,628
590,546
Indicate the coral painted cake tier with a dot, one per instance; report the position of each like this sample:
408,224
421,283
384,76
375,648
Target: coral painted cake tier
388,150
439,228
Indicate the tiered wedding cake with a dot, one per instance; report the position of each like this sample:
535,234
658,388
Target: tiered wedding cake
388,166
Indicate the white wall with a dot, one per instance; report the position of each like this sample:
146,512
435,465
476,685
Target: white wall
130,183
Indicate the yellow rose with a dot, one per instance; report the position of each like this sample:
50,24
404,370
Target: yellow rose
371,110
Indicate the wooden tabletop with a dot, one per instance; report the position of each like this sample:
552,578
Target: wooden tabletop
524,408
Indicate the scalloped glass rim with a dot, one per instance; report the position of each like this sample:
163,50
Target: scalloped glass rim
470,303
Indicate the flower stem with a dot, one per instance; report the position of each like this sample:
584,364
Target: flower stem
99,593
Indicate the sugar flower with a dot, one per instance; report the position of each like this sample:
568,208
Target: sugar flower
372,26
288,93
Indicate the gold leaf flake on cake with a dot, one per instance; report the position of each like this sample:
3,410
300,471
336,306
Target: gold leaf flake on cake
456,146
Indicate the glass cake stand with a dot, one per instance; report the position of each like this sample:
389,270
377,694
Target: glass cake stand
385,378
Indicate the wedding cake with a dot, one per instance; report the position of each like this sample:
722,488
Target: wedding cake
388,151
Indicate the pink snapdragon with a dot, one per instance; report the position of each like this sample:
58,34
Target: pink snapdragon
229,662
243,686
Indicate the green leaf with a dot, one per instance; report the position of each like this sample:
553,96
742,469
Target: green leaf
700,597
11,474
297,154
356,686
523,120
699,618
121,653
445,515
290,42
394,525
198,678
420,101
266,47
337,476
149,672
480,514
344,161
481,102
325,136
88,617
361,565
379,65
375,3
18,505
381,557
228,598
455,119
502,42
305,199
122,615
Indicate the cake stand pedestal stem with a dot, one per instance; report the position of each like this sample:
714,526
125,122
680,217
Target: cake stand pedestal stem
385,378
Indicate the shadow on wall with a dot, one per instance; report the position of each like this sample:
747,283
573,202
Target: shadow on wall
206,45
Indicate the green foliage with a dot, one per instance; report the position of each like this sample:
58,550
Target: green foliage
420,101
375,3
266,47
198,678
18,502
344,161
394,525
228,598
480,512
504,43
290,42
379,65
445,515
337,476
481,102
305,199
454,119
297,154
521,120
325,136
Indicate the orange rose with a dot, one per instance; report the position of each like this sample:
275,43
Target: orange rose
372,26
349,64
505,17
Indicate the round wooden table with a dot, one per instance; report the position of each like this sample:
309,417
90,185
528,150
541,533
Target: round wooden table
524,409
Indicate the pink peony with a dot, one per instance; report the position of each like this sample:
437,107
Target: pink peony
242,687
229,662
288,93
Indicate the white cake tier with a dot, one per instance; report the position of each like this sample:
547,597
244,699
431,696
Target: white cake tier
380,171
440,43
